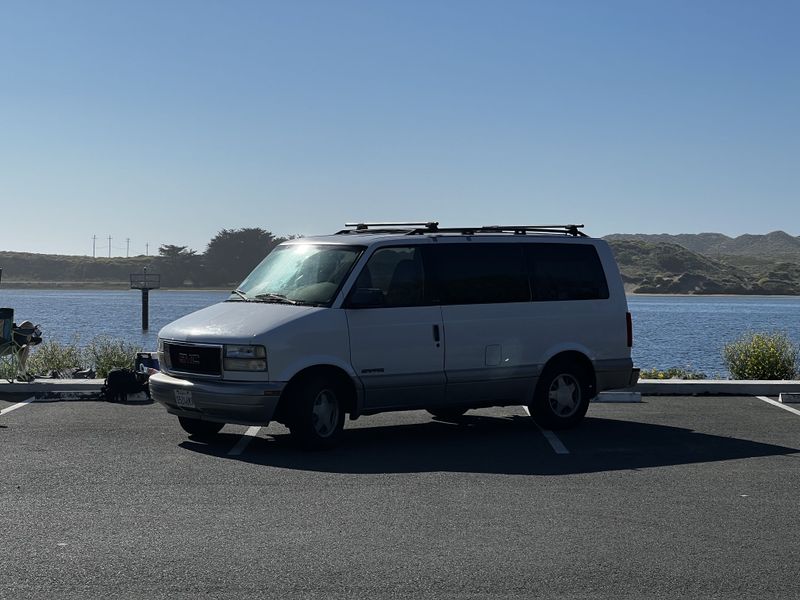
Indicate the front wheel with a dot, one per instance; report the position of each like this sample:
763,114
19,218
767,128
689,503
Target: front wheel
317,409
200,429
562,395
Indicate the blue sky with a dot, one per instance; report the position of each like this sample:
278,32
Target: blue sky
166,121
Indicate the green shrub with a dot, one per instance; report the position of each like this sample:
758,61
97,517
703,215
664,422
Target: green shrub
106,354
6,370
101,354
761,356
52,356
671,373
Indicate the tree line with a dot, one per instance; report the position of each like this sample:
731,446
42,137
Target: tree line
227,260
229,257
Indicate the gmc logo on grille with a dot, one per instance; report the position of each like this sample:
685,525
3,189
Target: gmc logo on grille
188,359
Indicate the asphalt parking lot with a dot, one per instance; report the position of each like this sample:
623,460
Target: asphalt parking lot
672,497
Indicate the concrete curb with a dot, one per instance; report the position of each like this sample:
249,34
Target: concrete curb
46,386
712,387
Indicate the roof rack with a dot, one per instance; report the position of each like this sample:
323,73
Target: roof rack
420,227
406,227
572,229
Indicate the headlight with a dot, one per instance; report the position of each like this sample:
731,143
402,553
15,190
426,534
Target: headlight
163,358
245,358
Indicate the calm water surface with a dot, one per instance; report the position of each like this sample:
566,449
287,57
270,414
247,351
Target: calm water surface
65,314
690,331
679,331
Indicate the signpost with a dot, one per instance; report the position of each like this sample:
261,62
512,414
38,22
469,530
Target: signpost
145,282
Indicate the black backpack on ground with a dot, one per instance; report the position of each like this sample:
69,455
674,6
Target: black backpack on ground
123,385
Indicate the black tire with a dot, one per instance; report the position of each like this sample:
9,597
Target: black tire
317,410
200,429
562,395
447,414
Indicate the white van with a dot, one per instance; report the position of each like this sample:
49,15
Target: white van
381,317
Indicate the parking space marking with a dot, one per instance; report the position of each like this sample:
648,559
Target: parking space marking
555,443
247,437
779,404
17,405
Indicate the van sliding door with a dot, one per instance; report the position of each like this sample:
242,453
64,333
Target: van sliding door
485,297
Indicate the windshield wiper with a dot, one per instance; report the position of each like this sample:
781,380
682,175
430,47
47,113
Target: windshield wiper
241,295
275,298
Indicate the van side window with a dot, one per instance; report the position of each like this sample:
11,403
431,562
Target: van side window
399,274
481,273
566,272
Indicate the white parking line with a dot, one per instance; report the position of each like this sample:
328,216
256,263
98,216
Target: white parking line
17,405
779,404
247,437
555,443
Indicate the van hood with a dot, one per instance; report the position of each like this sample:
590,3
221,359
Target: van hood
233,322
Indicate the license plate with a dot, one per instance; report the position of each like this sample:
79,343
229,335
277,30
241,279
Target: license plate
183,398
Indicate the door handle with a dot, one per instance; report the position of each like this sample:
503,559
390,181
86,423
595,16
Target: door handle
436,336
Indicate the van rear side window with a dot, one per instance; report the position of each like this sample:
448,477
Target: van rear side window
481,273
565,272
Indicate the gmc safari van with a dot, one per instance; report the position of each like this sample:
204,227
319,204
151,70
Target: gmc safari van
399,316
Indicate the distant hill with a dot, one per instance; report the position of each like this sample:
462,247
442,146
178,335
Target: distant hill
709,263
777,245
25,269
34,270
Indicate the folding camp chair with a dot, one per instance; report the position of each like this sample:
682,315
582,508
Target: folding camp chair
15,344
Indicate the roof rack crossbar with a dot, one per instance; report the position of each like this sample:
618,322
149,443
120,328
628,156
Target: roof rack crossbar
427,224
571,229
406,227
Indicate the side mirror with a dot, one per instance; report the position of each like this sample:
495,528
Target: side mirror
366,298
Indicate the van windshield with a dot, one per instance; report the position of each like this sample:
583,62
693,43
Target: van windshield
299,274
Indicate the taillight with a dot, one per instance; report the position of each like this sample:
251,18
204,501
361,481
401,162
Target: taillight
629,322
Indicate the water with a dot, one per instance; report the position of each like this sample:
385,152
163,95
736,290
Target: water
65,314
690,331
669,331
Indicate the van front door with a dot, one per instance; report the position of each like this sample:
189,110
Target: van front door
396,339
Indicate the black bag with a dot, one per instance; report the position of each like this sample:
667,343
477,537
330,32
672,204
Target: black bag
124,385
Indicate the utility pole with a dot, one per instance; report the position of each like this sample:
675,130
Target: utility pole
94,244
109,246
128,249
147,248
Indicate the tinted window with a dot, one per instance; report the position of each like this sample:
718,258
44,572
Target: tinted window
399,273
480,273
566,272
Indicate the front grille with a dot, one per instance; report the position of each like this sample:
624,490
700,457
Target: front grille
203,360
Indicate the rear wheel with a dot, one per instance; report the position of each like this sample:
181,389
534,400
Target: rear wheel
447,414
317,413
562,395
200,429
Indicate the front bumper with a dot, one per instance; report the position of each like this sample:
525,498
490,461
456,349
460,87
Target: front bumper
243,403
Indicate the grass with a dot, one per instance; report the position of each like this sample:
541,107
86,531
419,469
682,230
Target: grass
106,354
61,358
52,357
671,373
